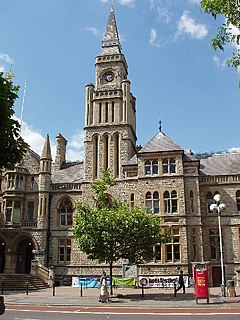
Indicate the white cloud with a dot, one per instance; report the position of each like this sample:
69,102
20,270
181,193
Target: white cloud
219,62
5,57
35,139
194,1
153,38
93,30
127,2
186,24
2,69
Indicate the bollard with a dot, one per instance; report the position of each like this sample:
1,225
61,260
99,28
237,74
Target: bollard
2,287
81,291
27,289
142,291
53,288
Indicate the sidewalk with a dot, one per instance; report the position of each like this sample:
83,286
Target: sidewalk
123,297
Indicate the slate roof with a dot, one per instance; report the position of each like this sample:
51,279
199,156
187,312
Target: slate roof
159,143
69,173
220,164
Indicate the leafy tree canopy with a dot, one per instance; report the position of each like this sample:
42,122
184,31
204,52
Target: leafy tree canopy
12,146
111,230
229,32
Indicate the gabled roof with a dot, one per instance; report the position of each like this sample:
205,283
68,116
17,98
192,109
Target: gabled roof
160,143
70,173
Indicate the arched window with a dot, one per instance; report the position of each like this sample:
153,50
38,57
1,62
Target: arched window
106,151
152,202
165,166
238,200
66,212
172,165
147,167
151,167
170,202
209,201
132,200
95,156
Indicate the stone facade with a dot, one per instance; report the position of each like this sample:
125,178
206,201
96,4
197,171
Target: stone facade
38,198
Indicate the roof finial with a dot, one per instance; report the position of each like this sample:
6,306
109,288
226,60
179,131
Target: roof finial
160,125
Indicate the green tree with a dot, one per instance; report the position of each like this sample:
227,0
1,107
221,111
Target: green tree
229,32
12,146
111,230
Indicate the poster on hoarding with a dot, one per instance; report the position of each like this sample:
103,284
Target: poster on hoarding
160,281
130,271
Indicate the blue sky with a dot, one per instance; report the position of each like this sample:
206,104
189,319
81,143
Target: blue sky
174,74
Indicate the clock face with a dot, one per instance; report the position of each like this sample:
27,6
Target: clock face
108,77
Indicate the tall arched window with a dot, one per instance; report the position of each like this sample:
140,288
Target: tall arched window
132,200
147,167
66,212
116,156
152,202
95,156
209,201
170,202
238,200
106,151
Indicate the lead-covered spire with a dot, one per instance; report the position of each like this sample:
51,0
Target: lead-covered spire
110,42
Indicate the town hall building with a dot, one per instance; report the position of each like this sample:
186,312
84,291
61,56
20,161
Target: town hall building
38,198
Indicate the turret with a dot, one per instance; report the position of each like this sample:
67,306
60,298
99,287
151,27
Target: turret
60,158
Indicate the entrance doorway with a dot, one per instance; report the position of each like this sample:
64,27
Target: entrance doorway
216,276
24,256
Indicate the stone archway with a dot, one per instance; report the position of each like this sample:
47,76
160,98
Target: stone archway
24,255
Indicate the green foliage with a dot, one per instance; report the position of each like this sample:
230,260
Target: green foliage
13,146
230,9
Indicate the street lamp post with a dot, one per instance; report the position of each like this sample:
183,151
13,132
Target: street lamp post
217,208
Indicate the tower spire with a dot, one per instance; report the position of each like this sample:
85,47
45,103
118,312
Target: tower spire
110,42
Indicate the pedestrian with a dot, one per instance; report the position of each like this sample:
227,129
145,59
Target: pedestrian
181,284
103,288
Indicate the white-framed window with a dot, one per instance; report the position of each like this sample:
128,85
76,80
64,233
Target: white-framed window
168,165
170,202
152,202
151,167
66,212
64,250
172,248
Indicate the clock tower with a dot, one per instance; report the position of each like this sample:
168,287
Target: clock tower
110,111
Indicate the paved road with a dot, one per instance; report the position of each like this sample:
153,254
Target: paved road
28,313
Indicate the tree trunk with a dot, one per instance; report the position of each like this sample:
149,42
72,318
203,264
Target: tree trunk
110,269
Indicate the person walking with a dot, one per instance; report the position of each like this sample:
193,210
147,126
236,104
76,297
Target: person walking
181,284
103,288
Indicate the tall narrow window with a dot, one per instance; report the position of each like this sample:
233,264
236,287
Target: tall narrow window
149,201
30,211
172,165
100,112
170,202
106,151
106,112
32,183
116,155
194,245
132,200
64,250
173,247
95,157
66,213
155,166
214,244
19,182
165,166
113,112
10,181
147,167
191,201
238,200
156,202
209,201
9,211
